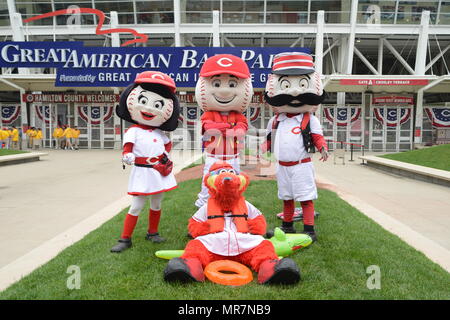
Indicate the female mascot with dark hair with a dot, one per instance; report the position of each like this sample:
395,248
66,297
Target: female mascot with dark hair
151,105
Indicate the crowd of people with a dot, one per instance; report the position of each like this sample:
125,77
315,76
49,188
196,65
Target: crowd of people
64,137
9,138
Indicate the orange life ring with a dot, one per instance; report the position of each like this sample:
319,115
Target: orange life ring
229,273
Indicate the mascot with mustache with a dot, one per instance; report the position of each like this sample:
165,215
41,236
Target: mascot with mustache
151,105
228,227
223,91
294,90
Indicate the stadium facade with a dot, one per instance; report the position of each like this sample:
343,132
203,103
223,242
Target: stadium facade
385,64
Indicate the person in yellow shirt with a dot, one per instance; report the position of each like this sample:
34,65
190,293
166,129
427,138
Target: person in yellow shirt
75,137
31,132
15,138
58,135
37,138
68,136
4,135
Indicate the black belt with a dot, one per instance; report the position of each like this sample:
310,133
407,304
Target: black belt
144,165
230,216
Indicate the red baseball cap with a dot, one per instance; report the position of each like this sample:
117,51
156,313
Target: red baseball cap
225,63
293,63
156,77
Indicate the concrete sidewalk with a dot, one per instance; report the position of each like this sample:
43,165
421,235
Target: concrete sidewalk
422,206
40,200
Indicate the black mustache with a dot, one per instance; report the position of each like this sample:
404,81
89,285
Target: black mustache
286,99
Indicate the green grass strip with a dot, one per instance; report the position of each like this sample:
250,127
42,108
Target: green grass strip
437,157
333,268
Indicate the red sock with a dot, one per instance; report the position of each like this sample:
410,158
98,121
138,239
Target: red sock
153,220
308,212
288,210
128,226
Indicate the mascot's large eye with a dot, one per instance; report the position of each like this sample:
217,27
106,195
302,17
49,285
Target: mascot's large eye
304,83
232,83
216,83
231,171
158,104
285,84
143,100
223,171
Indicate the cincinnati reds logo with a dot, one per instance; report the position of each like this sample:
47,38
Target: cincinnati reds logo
296,130
446,113
157,75
225,65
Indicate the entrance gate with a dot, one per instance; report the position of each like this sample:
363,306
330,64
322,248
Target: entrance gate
390,128
343,124
96,125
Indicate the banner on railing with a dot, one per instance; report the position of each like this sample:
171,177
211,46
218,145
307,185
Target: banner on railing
439,116
43,113
391,118
95,115
341,116
9,114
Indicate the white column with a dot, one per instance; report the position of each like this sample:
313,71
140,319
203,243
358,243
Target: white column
177,22
216,28
351,37
380,56
115,36
422,44
319,41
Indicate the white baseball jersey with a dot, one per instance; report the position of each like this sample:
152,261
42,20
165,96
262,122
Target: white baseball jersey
294,182
288,138
229,242
147,143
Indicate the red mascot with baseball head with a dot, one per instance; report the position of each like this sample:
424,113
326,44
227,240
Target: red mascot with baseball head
294,90
228,227
223,91
151,105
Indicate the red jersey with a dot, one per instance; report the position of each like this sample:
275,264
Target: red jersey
223,133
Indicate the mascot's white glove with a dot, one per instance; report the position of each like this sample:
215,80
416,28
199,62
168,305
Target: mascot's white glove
129,158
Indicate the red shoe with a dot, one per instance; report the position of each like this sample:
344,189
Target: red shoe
284,271
184,270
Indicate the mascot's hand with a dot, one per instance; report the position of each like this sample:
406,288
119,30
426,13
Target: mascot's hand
257,225
129,158
324,154
197,229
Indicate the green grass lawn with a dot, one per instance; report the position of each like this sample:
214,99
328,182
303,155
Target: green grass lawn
7,152
333,268
437,157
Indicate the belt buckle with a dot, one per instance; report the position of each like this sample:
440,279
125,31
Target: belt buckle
150,162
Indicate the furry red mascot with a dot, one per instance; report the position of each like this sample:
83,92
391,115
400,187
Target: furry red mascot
293,90
223,91
229,227
151,104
